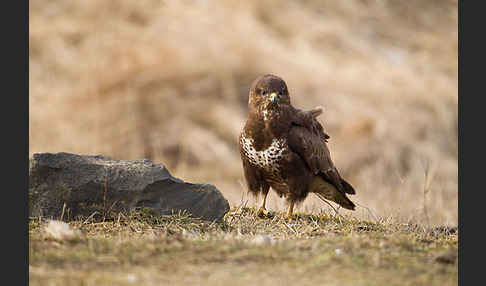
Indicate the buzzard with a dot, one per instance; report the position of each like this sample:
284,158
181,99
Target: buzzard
285,148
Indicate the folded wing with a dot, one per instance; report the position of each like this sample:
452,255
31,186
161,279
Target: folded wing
312,148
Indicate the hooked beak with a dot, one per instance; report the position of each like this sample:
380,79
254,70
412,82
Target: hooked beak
274,97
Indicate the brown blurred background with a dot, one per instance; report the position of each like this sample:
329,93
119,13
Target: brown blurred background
169,81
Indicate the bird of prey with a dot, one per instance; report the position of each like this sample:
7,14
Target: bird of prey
285,148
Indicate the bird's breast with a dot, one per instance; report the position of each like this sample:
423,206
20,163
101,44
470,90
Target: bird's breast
268,159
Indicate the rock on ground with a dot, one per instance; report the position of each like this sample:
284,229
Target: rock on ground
84,184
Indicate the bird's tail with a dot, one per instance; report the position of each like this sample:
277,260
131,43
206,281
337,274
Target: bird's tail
348,189
329,192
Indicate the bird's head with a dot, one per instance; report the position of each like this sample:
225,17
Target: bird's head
267,94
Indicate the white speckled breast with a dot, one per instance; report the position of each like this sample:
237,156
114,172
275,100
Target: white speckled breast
267,159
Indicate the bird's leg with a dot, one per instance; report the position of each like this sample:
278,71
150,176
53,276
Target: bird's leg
290,211
262,212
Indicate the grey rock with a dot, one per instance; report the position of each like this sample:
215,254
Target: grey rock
89,183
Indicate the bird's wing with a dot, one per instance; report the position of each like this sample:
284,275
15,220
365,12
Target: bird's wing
313,150
308,119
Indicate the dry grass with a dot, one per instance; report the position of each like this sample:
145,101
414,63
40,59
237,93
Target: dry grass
320,249
169,81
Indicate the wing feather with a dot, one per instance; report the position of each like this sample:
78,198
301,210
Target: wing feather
308,119
312,148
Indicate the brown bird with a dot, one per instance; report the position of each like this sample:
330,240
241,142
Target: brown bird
285,148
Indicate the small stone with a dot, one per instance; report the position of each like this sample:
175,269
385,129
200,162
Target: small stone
131,278
447,257
263,240
190,233
60,230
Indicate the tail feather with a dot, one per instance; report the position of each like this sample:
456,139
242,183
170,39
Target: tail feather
348,189
329,192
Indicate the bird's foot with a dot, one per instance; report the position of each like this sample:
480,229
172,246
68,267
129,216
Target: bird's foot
262,213
290,217
290,212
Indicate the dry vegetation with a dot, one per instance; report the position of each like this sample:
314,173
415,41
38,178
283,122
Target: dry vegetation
319,249
168,81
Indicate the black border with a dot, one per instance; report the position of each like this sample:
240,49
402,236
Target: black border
471,209
459,143
15,121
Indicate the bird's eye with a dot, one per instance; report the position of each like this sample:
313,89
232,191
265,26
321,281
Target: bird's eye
264,92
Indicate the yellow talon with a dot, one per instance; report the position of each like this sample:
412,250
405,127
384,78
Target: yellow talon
262,212
290,213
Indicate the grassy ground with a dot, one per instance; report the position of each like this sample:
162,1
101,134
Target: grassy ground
320,249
